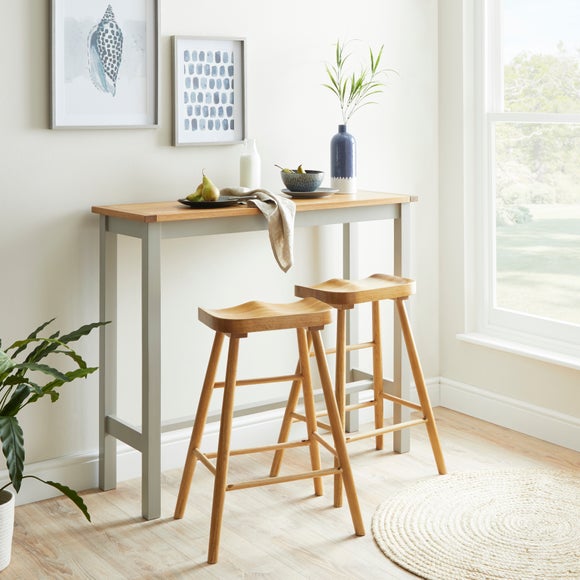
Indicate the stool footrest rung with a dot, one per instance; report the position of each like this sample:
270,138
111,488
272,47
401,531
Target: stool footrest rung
323,413
403,402
271,447
354,407
283,478
322,425
348,348
324,443
205,460
299,417
382,430
261,381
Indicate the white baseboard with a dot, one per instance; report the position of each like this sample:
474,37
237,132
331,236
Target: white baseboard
518,415
81,472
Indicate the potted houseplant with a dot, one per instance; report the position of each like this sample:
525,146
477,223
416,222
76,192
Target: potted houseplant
25,378
354,91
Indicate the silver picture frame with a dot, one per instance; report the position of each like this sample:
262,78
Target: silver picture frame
209,80
105,64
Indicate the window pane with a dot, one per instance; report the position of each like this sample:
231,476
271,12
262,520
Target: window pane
537,179
541,56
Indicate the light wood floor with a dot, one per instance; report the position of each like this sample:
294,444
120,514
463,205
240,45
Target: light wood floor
280,532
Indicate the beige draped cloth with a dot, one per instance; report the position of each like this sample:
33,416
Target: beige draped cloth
279,213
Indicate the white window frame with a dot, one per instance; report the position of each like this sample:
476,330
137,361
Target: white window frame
487,324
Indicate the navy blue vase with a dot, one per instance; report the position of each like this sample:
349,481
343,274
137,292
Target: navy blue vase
343,161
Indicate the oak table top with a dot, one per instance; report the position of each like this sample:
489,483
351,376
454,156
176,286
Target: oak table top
170,211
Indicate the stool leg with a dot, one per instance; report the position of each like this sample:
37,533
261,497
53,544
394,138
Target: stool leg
340,389
309,408
338,435
286,424
421,387
223,452
198,426
377,372
287,420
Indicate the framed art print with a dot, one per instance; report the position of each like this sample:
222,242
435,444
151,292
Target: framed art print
104,63
209,90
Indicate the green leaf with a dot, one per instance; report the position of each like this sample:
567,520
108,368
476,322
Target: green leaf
12,380
43,368
74,355
80,332
12,439
49,345
71,376
6,363
44,347
14,404
33,334
70,493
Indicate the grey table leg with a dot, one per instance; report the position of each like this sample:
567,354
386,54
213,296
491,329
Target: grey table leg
107,354
402,373
350,253
151,369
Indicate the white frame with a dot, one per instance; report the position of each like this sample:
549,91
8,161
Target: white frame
77,101
202,122
486,317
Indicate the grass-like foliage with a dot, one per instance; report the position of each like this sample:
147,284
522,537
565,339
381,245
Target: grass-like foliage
353,90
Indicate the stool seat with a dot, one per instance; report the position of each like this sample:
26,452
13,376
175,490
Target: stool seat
346,293
256,316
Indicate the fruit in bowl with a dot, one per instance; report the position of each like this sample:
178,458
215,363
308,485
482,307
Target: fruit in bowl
301,179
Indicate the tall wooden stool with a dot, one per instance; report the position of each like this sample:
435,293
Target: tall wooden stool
344,295
308,317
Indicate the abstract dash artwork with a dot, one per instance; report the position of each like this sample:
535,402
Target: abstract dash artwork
104,63
209,90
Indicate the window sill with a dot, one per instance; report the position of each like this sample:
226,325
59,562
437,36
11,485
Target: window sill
540,354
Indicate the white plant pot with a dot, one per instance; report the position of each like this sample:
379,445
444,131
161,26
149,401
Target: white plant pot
6,527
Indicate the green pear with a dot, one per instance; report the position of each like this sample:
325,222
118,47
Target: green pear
209,191
300,169
196,195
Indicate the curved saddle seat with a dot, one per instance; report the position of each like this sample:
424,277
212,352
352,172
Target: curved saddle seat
258,316
341,293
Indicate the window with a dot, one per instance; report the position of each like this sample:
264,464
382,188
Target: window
529,138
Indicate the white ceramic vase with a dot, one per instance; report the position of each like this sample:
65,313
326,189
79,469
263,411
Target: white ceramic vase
6,527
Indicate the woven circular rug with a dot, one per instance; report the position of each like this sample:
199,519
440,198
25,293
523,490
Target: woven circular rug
515,524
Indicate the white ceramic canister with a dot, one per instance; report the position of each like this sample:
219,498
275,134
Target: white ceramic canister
6,527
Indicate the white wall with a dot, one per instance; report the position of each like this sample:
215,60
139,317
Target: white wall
550,390
50,179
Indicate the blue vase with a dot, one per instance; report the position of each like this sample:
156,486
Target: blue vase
343,161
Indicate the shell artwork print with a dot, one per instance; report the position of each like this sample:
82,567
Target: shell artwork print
105,46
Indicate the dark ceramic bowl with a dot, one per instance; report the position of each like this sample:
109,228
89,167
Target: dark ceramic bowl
309,181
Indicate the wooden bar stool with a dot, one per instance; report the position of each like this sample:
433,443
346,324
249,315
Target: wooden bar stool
308,317
344,295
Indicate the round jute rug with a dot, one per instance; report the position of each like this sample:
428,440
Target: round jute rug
515,524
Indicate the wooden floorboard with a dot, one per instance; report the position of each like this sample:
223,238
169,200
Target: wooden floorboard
281,531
